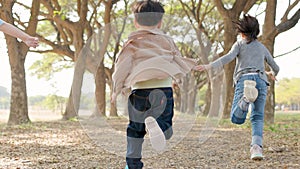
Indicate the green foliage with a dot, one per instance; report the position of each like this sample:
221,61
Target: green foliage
73,119
286,125
50,64
51,102
47,30
274,127
4,102
62,14
288,91
54,102
36,100
66,9
209,19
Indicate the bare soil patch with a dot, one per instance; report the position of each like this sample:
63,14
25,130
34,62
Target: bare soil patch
64,144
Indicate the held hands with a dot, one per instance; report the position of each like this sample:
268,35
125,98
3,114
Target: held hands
31,42
201,67
271,75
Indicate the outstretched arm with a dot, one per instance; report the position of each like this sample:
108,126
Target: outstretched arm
202,67
11,30
225,59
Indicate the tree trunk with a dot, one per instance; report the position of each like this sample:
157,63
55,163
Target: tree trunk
208,99
270,105
100,90
103,49
216,106
73,103
177,96
268,39
113,110
184,91
192,93
17,53
19,108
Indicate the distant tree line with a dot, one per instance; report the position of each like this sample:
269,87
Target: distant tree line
288,94
65,27
4,98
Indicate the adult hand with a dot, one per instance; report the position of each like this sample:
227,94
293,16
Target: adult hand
201,67
32,42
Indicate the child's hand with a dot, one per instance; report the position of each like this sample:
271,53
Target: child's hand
201,67
271,75
32,42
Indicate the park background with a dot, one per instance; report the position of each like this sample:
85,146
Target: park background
57,88
286,53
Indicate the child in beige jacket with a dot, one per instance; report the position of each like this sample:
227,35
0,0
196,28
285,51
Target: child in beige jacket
146,65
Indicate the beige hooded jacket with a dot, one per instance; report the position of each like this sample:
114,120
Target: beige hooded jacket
148,54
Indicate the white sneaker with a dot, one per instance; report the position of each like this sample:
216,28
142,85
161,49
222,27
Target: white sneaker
256,152
157,137
250,92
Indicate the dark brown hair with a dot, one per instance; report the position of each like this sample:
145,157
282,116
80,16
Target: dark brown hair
148,13
248,26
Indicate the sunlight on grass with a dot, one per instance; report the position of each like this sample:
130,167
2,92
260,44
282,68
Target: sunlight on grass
287,116
283,121
73,119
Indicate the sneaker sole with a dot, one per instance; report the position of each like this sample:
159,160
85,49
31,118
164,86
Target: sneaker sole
157,137
257,157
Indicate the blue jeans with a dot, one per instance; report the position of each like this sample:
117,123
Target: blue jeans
142,103
238,116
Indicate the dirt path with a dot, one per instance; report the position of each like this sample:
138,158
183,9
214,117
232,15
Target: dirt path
64,144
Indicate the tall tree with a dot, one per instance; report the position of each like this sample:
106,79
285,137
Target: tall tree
69,34
17,52
270,32
74,23
206,21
